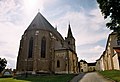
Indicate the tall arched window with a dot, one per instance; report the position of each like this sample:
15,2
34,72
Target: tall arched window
43,47
58,63
30,48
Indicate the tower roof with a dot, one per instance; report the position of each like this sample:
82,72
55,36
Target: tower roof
69,35
40,23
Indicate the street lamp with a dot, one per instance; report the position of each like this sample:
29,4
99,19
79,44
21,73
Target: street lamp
26,68
67,59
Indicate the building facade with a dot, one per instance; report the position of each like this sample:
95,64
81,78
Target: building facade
43,49
83,66
116,58
86,67
110,59
91,67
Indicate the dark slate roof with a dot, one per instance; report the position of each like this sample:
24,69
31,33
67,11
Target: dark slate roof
92,64
83,61
40,23
69,35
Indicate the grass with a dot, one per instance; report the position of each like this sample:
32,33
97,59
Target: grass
112,74
45,78
11,80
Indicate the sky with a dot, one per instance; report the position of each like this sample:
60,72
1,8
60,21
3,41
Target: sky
87,24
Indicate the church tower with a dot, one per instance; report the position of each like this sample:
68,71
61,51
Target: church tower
70,40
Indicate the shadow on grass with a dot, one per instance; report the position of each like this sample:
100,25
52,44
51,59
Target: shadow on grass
111,74
78,77
46,78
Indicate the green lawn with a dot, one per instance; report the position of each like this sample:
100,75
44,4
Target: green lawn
11,80
112,74
45,78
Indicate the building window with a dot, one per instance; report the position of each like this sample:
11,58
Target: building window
30,48
119,61
68,42
43,47
118,42
58,63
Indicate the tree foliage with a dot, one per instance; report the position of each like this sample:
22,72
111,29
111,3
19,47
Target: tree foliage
3,63
111,9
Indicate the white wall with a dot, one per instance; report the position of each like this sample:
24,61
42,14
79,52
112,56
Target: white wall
116,62
101,64
84,67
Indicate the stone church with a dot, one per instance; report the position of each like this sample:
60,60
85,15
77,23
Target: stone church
43,49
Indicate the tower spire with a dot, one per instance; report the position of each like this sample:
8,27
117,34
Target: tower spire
69,35
38,10
70,39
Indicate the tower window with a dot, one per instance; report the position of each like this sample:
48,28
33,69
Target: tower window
68,42
30,48
58,63
43,47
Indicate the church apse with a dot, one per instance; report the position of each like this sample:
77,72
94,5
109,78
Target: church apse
44,50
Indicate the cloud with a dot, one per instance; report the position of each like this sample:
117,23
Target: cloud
83,26
90,53
10,10
11,30
10,35
97,48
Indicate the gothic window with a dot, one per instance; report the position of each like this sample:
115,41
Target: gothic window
58,63
43,47
30,48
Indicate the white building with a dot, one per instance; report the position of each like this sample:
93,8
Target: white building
110,59
83,66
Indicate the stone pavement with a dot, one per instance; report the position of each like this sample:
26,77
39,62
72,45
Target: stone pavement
93,77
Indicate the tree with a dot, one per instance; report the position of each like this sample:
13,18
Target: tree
111,9
3,63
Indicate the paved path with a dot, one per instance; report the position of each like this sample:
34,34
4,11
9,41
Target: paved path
93,77
78,77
